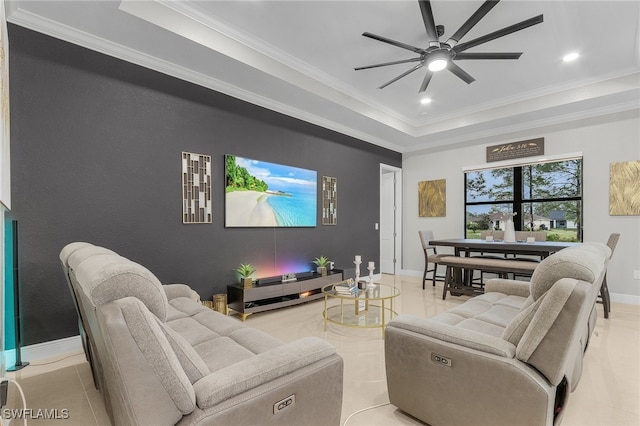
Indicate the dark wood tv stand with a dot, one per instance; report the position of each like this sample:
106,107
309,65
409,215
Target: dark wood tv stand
264,297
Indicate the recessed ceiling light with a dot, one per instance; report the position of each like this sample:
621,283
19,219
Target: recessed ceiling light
425,101
570,57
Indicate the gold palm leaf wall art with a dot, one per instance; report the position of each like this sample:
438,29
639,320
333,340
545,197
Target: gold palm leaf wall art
624,188
432,198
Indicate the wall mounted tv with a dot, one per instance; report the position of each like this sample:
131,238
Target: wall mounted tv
262,194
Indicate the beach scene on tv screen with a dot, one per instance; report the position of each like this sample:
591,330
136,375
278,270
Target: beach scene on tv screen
259,193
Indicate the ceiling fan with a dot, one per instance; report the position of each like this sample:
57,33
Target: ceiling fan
438,55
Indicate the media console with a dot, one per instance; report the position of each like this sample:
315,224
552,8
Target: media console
260,298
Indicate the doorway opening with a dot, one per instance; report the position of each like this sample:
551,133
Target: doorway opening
390,219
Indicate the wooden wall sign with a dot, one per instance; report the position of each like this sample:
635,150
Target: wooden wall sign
509,151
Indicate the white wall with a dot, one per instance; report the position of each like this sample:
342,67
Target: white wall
601,140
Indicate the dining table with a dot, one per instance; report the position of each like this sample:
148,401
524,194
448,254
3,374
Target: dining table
466,246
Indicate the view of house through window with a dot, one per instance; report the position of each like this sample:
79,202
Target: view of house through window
545,197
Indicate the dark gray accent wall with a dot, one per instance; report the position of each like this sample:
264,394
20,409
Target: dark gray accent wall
96,148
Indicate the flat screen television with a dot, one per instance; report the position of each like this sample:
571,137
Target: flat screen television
262,194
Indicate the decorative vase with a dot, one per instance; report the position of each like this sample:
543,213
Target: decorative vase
509,232
220,303
247,282
322,270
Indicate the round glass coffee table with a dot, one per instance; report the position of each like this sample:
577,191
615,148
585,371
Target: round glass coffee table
369,308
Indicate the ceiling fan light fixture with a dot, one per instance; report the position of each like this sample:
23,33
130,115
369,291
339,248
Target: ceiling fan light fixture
570,57
438,55
437,64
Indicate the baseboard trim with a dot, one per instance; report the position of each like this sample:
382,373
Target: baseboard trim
45,350
411,273
627,299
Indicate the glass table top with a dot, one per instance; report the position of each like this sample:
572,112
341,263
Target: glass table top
379,292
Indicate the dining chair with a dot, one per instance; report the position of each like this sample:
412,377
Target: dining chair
497,235
522,236
430,256
604,289
538,235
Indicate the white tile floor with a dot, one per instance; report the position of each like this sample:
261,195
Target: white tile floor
608,394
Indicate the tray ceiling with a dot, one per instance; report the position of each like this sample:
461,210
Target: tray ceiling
298,58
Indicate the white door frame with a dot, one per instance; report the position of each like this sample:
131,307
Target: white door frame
385,168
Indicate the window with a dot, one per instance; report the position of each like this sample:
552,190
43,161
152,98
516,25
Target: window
544,197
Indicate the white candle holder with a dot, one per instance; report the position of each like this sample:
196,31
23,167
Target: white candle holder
357,263
371,284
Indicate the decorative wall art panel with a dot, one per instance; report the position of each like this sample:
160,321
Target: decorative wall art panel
624,188
432,198
329,200
196,188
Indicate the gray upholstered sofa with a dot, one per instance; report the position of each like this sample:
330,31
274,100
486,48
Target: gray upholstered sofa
160,357
508,357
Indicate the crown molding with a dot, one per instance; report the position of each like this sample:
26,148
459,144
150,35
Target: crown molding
188,23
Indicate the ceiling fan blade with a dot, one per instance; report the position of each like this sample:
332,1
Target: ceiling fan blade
500,33
429,23
395,43
472,21
495,55
404,74
460,73
425,82
388,63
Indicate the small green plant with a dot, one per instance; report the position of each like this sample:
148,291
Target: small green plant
245,270
321,261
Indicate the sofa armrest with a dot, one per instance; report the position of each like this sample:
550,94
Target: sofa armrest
510,287
180,290
459,336
249,373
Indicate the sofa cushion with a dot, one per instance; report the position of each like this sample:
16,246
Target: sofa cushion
439,330
69,249
108,278
78,256
191,362
544,317
583,262
180,290
262,368
153,344
516,328
488,314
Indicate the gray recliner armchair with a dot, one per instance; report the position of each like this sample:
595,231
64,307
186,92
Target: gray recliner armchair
510,356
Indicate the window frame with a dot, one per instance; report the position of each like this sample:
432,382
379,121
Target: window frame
518,198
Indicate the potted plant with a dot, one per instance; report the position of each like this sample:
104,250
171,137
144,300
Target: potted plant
245,271
321,263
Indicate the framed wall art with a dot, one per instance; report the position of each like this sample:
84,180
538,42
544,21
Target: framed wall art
196,188
329,200
624,188
432,198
